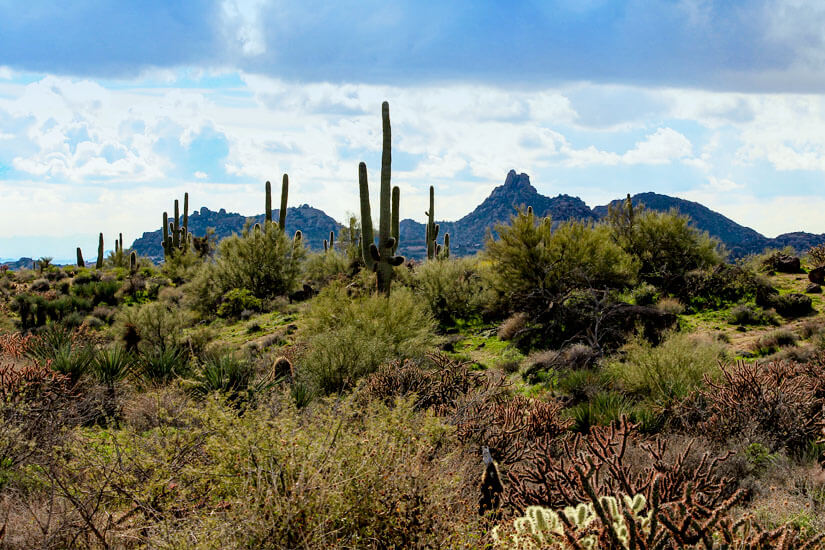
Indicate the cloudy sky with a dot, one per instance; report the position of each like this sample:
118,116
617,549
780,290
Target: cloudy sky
107,113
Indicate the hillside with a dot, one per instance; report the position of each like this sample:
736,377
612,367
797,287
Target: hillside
467,234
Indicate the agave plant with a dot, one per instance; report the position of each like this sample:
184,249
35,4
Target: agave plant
160,365
227,374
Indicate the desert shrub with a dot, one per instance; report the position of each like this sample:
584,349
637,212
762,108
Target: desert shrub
748,315
181,266
779,402
531,265
321,268
716,287
510,328
111,365
669,371
670,305
40,285
103,291
788,305
453,288
351,478
267,263
665,244
236,301
156,325
601,409
773,341
816,255
644,295
614,459
574,356
349,338
36,310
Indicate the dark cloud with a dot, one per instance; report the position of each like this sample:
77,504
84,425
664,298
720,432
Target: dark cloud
725,45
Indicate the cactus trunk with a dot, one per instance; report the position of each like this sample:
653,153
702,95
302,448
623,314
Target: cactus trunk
133,261
282,212
268,209
367,237
80,262
99,264
176,227
185,234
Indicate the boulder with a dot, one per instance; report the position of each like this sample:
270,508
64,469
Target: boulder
817,275
783,263
813,288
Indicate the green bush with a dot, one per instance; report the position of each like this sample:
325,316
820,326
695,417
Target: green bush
321,268
747,315
350,337
531,265
665,244
157,366
266,263
453,288
774,340
227,374
98,292
236,301
157,325
669,371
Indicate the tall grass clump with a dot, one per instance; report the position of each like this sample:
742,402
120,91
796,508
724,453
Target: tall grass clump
669,371
350,337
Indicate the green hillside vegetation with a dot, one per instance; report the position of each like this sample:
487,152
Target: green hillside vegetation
584,384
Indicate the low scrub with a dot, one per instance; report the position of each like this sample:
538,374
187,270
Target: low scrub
453,288
669,371
349,338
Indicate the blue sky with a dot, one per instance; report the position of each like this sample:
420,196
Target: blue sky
109,110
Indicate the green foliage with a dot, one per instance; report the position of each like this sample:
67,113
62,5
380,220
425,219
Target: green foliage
669,371
349,338
665,244
322,268
774,340
103,291
227,374
236,301
159,326
36,310
720,286
266,263
453,288
111,365
532,265
749,315
602,409
157,366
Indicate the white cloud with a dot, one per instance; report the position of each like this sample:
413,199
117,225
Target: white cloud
5,73
663,146
201,175
242,20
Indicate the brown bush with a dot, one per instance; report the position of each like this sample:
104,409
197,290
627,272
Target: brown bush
512,326
781,401
614,460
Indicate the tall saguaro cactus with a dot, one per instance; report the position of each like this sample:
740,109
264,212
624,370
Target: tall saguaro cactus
80,262
432,227
176,234
268,205
282,211
99,264
380,258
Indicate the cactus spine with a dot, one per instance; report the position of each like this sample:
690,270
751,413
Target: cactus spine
432,227
282,212
380,258
99,264
80,262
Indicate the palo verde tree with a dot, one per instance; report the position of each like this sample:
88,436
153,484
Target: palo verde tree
380,258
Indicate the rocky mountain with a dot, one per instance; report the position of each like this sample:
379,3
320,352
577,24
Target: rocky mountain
468,233
313,223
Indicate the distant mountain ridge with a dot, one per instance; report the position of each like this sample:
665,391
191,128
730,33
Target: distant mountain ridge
468,233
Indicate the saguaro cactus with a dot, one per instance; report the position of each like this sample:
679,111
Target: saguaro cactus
268,206
176,235
445,253
80,262
133,261
282,211
432,227
380,258
99,264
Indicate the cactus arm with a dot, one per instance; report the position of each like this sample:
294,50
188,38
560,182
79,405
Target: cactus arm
396,227
176,226
367,237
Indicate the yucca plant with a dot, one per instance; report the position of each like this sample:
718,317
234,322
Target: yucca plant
159,365
72,360
48,342
111,365
227,374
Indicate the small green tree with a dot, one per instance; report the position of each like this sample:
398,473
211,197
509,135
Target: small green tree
533,265
664,243
266,263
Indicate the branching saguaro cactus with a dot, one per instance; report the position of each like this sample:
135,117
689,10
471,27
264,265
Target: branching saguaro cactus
380,258
432,227
99,264
176,236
